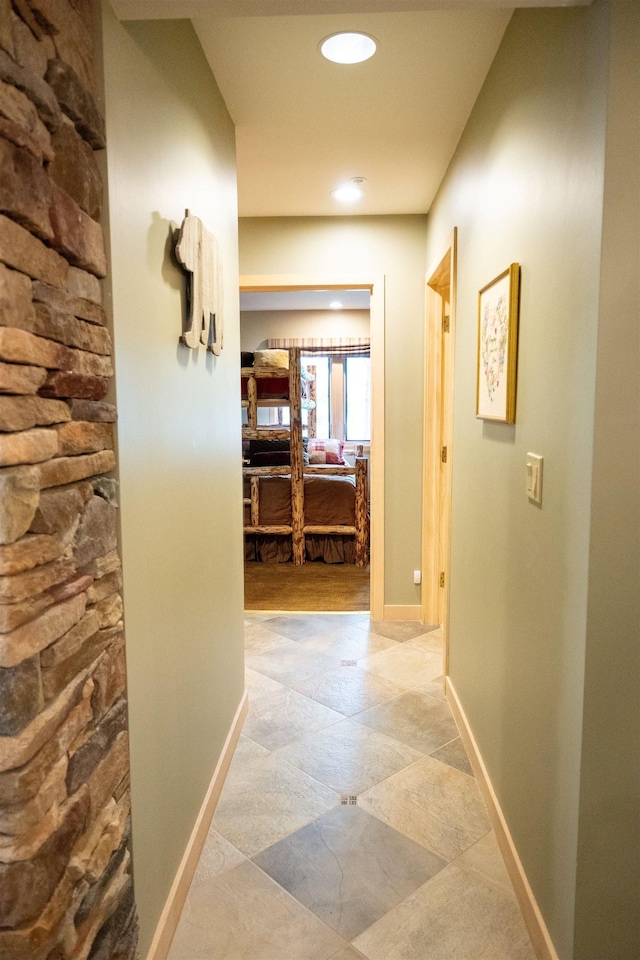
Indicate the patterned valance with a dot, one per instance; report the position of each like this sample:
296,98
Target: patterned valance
337,346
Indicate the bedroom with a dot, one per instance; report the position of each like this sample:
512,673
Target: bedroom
306,542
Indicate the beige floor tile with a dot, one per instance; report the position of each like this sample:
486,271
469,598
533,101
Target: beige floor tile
289,771
434,688
244,915
453,916
217,856
246,751
484,860
277,718
349,643
455,755
257,639
347,953
348,757
290,663
340,620
421,722
348,689
405,665
267,799
302,626
432,803
349,868
400,630
257,685
429,641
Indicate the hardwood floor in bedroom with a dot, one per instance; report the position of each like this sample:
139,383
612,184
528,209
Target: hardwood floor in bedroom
312,586
350,826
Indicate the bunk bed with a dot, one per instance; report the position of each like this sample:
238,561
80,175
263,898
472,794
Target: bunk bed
294,509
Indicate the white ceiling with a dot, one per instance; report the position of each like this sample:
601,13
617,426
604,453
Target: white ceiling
304,125
175,9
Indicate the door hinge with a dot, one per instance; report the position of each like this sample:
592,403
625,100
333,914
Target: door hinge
443,454
442,579
445,324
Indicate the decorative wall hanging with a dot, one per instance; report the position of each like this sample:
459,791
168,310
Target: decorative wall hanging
198,252
498,305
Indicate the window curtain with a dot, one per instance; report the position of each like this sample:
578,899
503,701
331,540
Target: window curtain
336,346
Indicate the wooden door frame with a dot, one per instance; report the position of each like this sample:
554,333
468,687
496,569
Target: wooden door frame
436,505
374,283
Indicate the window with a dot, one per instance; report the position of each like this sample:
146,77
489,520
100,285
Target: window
357,389
343,396
323,405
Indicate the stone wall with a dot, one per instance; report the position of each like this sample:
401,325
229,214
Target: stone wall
65,862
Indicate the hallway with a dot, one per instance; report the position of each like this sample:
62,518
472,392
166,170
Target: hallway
350,824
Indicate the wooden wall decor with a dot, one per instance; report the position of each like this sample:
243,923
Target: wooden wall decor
198,252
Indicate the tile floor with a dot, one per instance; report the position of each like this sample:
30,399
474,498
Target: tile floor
350,825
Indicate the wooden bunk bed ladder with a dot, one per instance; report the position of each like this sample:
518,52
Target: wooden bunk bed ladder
297,462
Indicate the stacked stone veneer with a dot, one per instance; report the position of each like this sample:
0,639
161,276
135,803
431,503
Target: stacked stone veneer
65,863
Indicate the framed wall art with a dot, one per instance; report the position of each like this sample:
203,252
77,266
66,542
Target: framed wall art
498,307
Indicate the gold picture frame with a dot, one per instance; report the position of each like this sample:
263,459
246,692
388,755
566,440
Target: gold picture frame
498,310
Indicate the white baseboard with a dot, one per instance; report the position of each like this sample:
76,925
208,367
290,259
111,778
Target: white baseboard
540,937
182,881
411,611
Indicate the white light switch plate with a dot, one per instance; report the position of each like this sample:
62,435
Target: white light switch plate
534,477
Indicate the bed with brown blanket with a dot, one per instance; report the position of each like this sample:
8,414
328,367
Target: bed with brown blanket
302,501
328,501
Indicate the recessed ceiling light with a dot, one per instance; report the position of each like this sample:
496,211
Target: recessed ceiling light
349,192
336,305
348,47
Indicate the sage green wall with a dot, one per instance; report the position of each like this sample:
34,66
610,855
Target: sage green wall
393,246
171,146
608,882
257,326
526,185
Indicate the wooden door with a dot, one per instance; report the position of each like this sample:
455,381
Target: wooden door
438,432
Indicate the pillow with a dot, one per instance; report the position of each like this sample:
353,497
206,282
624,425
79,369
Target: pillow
267,453
267,446
246,359
273,458
326,451
272,358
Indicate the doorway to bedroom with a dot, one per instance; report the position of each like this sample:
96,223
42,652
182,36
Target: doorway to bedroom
308,400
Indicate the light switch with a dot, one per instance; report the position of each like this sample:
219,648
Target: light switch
534,477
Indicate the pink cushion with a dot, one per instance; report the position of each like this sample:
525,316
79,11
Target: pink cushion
326,451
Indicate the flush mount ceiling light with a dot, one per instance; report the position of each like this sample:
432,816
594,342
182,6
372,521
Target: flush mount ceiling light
336,305
349,192
348,47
